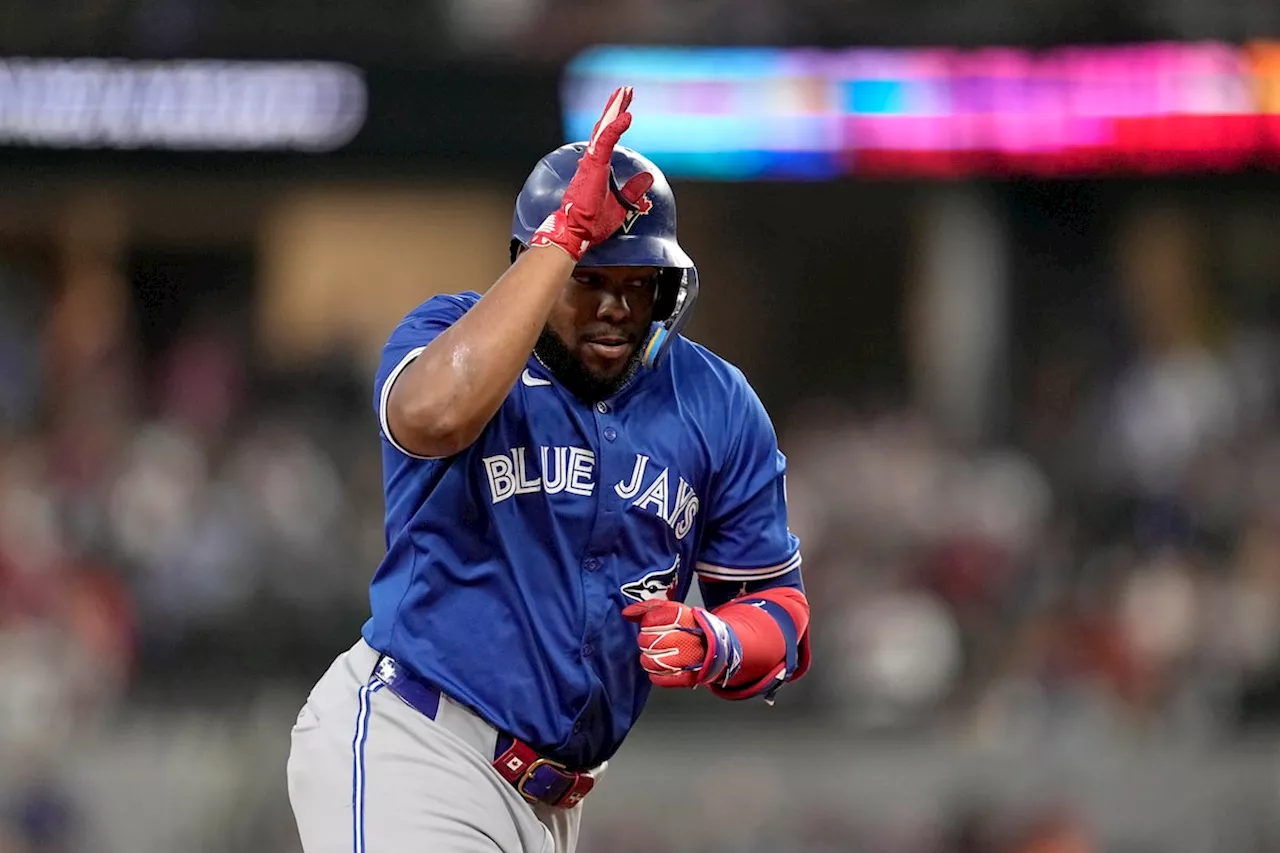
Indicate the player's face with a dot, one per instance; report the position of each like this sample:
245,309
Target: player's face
603,316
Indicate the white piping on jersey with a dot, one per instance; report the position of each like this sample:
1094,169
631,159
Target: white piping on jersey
727,573
386,396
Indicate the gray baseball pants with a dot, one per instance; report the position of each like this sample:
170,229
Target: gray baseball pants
370,774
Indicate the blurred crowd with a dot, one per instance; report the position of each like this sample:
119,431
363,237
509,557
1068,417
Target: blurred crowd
1115,565
170,522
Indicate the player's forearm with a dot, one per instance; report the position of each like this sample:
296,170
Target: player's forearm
771,626
441,402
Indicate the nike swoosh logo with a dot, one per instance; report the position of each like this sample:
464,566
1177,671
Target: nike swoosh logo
532,381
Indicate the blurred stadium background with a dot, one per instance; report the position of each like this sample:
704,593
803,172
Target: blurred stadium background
1006,275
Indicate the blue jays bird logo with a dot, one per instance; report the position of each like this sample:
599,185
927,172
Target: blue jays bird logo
642,206
655,586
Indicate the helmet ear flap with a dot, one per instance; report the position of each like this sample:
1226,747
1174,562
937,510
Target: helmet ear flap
664,332
664,303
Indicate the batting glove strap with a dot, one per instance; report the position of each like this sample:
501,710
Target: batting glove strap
724,649
555,231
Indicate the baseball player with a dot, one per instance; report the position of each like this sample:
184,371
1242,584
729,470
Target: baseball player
559,464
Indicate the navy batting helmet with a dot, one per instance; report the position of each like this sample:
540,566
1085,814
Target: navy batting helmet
644,240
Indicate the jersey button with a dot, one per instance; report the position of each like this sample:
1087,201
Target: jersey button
602,407
591,564
610,433
588,650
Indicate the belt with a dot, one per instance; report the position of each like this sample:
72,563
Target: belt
536,778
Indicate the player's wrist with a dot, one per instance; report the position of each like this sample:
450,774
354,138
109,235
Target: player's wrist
556,231
548,243
723,656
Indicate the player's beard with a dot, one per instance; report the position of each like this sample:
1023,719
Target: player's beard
574,375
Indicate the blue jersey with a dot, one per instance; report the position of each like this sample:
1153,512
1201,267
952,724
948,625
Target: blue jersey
509,563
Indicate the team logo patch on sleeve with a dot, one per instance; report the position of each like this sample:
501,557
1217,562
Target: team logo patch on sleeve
655,586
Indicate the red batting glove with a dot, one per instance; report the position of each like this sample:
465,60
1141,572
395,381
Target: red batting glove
589,212
683,646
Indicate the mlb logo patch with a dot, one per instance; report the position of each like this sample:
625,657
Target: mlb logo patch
387,670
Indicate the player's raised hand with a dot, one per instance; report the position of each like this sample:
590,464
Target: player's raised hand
593,206
683,646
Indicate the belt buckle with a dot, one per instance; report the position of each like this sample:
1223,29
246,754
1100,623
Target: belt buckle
533,768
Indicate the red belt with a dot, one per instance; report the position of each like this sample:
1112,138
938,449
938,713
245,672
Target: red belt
539,779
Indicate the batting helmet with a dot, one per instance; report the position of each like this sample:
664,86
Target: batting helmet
645,239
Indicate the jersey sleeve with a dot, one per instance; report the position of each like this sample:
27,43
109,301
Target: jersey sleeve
747,545
407,341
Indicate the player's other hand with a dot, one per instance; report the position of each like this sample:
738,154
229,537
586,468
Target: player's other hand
591,209
683,646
